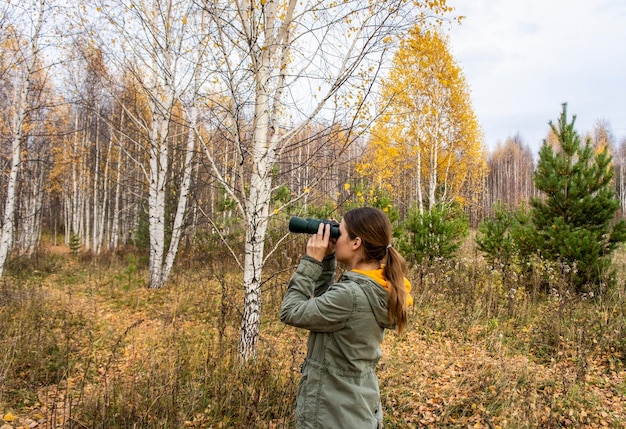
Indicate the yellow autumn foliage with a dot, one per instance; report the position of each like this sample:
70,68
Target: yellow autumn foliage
427,144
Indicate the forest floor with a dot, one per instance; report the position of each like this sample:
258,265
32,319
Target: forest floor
436,374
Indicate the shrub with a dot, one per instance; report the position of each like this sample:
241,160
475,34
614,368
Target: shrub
437,233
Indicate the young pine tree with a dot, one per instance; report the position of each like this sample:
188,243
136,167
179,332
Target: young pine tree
574,221
494,238
506,236
433,234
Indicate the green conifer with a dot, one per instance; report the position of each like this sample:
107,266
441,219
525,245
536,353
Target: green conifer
74,244
435,234
493,238
574,220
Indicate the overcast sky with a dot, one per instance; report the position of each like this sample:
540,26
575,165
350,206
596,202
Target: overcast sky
523,59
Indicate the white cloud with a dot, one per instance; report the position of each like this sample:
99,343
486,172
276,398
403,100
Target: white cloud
522,59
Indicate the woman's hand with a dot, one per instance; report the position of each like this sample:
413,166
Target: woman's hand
320,244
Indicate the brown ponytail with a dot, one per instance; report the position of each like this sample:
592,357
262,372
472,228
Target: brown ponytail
394,271
374,228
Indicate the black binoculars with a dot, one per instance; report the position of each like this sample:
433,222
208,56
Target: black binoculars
310,226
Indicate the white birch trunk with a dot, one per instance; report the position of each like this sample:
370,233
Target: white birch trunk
17,131
99,237
177,229
33,233
158,153
115,227
75,206
193,115
257,209
444,192
30,216
86,214
420,198
162,99
267,108
95,187
256,227
622,185
432,179
67,208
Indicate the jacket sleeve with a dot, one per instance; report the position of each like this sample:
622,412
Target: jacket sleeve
303,307
329,268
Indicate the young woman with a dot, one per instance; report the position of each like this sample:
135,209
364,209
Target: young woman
346,319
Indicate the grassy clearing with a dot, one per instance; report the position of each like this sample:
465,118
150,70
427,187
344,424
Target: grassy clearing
85,344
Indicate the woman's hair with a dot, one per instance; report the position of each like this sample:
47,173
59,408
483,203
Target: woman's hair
373,227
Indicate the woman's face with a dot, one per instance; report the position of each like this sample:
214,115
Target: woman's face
344,247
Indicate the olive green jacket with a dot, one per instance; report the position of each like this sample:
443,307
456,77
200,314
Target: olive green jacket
346,320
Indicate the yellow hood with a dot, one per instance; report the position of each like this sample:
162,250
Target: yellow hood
378,277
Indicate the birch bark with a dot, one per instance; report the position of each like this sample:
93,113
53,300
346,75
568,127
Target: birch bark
17,132
181,207
158,154
115,221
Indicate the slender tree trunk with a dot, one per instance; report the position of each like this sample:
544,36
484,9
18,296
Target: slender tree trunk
87,206
33,233
30,216
95,186
115,227
183,195
257,217
418,176
99,237
75,205
67,208
163,93
257,211
156,197
17,131
432,179
620,191
444,191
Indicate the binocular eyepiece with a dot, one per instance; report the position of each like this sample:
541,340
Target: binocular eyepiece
310,226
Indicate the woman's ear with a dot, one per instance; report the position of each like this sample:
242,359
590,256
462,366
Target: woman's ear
357,243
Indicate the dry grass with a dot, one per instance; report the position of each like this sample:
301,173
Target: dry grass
86,345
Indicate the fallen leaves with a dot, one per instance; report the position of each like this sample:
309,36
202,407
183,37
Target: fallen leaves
439,373
432,381
14,422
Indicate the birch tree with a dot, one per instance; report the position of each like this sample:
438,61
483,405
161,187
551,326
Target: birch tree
22,38
129,151
284,64
510,178
34,174
157,38
87,157
620,175
429,126
189,102
602,136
